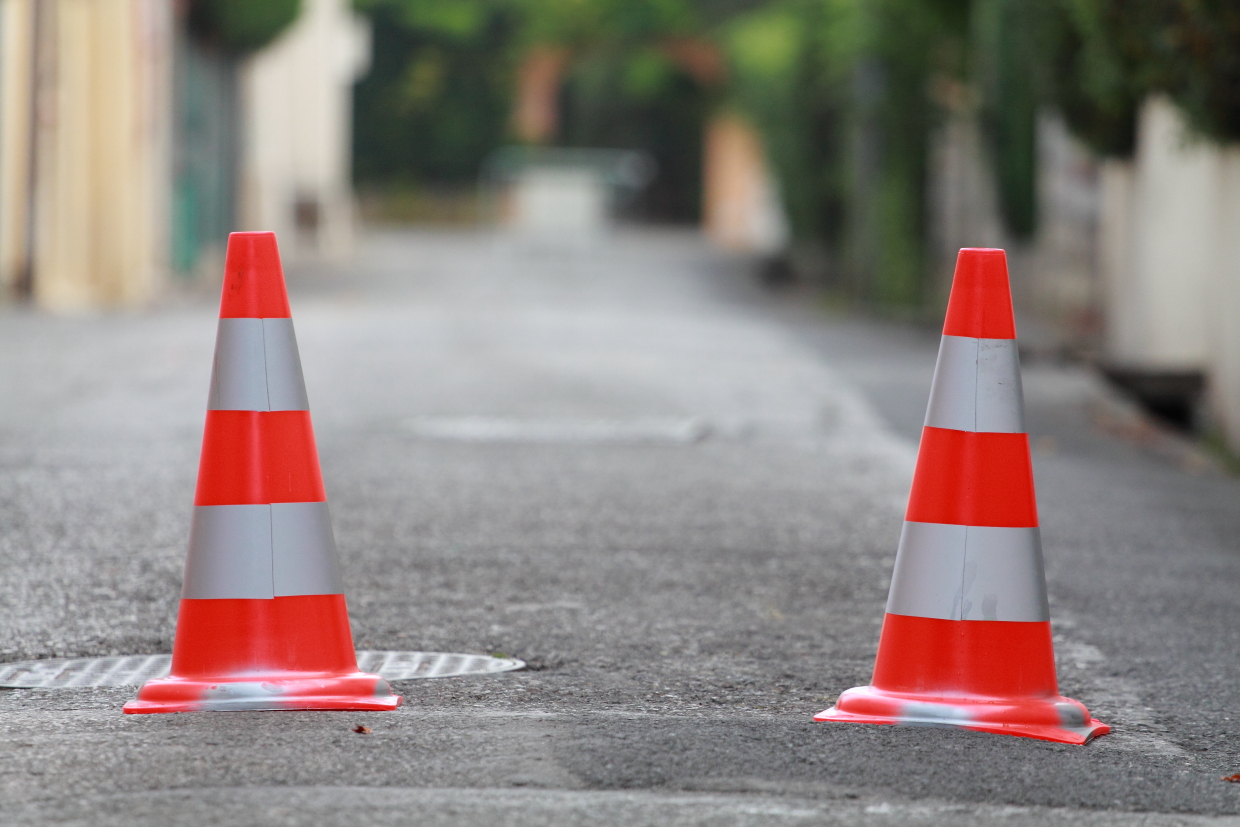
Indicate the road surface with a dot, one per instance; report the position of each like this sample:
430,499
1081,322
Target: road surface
675,497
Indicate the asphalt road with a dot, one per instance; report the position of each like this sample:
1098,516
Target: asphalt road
675,497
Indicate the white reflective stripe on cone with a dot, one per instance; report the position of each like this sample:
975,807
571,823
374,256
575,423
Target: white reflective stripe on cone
239,375
257,367
955,572
229,553
927,576
1003,575
303,550
977,386
286,387
261,551
1000,395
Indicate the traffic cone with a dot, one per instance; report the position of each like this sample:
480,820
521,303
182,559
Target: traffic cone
263,622
966,641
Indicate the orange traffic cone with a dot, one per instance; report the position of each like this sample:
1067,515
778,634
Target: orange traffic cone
966,641
263,622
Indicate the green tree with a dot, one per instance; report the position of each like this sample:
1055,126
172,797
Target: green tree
436,100
1201,53
1111,54
439,96
840,90
1010,41
241,25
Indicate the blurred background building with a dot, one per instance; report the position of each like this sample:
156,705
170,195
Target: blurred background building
137,133
850,146
297,104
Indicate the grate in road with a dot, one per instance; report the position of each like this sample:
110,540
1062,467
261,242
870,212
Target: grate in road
135,670
407,666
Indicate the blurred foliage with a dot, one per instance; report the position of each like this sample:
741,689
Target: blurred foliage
839,88
640,99
1201,52
241,25
1111,54
1010,40
847,94
437,98
582,24
911,42
1101,70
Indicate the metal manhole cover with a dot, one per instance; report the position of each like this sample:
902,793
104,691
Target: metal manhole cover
135,670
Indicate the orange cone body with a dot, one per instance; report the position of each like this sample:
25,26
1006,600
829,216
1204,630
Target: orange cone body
966,640
263,622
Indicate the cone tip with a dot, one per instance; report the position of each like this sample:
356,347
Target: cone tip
980,305
253,278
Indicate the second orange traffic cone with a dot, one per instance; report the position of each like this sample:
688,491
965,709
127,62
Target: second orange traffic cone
263,622
966,640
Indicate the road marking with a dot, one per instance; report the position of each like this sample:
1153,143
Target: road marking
1113,700
682,430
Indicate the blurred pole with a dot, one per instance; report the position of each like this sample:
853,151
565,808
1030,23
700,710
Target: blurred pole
205,148
18,25
741,208
536,115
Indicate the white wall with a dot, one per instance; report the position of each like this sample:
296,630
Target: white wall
1158,289
16,75
94,181
1170,256
296,127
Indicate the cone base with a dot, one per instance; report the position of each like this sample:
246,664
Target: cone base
359,691
1052,718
